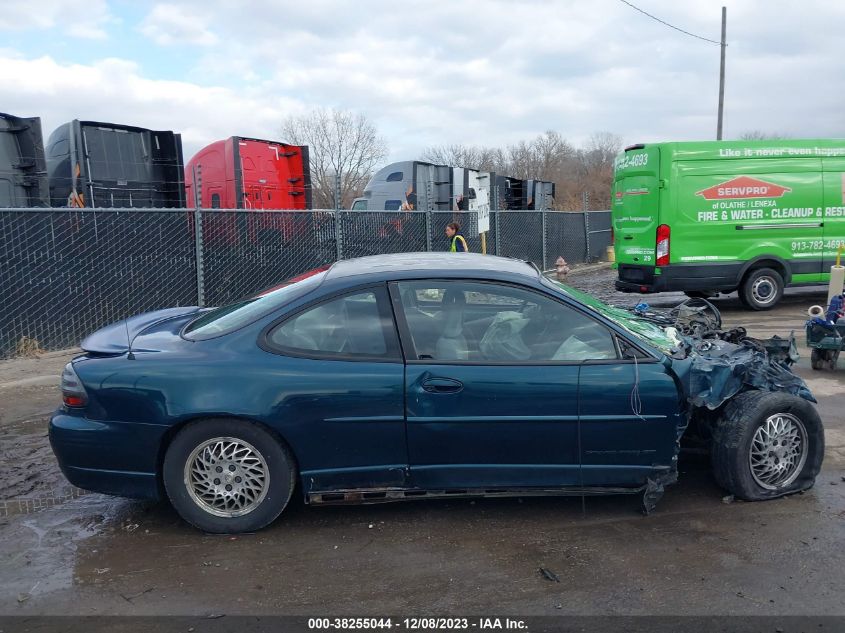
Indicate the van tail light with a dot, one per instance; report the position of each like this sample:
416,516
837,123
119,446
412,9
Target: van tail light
663,245
73,393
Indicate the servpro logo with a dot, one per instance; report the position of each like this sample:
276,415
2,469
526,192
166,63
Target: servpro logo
743,187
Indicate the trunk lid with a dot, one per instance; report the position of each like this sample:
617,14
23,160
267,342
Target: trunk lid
636,195
151,331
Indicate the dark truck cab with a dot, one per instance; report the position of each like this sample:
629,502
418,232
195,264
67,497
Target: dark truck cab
23,170
92,164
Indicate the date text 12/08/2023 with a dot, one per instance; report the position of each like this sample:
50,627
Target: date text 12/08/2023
418,624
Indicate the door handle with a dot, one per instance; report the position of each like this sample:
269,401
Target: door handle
442,385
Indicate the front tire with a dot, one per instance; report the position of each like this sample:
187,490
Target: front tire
767,445
761,289
227,476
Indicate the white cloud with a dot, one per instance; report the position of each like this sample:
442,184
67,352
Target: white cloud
477,71
87,21
169,24
491,71
114,90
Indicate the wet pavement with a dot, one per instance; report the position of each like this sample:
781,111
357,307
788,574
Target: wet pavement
695,555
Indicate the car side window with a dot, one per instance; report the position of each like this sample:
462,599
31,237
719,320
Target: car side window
352,326
488,322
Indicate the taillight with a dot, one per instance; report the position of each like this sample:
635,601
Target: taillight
73,393
663,245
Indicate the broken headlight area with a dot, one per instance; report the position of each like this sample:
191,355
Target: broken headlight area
719,369
713,364
722,363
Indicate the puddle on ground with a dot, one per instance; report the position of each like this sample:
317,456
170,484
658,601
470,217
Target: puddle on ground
28,467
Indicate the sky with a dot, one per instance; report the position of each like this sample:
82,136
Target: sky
433,72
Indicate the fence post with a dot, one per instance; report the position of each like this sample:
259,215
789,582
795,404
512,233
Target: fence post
543,238
338,235
587,236
429,228
198,245
497,241
337,201
494,210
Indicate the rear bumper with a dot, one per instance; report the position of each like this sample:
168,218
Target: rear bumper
679,277
116,458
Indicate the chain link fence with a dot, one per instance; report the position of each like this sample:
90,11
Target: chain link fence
67,272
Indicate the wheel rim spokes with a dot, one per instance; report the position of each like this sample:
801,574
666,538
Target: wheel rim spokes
226,476
778,451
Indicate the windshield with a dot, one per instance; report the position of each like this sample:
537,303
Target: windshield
234,316
648,332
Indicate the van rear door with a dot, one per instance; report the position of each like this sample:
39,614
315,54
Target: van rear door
834,210
635,211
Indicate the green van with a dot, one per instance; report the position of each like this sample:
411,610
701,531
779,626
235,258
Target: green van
717,216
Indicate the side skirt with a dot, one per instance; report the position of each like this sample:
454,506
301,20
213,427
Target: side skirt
388,495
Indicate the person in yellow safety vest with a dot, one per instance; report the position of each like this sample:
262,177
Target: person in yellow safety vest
457,243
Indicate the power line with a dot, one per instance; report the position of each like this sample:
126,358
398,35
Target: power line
671,26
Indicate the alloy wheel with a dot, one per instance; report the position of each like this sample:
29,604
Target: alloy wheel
226,476
778,451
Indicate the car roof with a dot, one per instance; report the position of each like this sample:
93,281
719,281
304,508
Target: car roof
405,265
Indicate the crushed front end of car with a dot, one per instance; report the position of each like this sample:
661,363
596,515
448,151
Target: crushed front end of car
743,404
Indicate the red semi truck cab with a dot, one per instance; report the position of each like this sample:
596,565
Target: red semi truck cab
250,174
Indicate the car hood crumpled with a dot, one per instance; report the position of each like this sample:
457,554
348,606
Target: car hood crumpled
716,365
717,370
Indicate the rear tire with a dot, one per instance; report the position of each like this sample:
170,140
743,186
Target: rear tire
761,289
226,476
767,445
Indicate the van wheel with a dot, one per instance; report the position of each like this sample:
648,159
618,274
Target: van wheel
761,289
227,476
766,445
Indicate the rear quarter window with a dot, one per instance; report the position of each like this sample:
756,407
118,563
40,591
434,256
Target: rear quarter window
232,317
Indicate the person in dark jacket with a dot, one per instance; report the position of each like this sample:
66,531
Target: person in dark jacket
457,243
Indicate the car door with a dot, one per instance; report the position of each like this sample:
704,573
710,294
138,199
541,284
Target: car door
340,396
631,417
491,383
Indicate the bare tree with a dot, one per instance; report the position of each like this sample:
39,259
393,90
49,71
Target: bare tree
340,143
758,135
576,172
469,156
595,176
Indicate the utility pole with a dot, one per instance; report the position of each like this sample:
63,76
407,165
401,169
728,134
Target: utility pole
722,76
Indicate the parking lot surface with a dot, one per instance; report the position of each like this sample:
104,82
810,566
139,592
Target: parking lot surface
699,553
